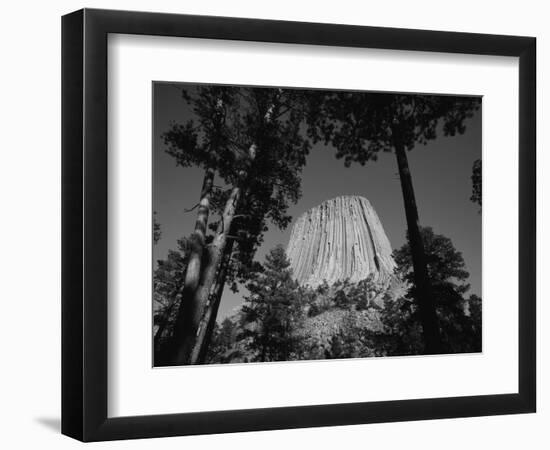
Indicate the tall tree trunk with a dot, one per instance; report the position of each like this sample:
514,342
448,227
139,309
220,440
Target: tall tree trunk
214,253
184,347
192,274
428,316
183,328
206,327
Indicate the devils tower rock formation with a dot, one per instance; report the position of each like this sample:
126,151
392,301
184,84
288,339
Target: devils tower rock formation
341,239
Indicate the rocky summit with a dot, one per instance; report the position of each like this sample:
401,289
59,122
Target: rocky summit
341,239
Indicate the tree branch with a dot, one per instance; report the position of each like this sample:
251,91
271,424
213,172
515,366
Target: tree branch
194,207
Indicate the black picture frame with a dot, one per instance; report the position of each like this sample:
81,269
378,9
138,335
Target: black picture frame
84,224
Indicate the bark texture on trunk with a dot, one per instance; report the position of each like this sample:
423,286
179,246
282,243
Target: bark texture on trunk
428,316
183,346
183,330
192,274
208,321
215,251
209,293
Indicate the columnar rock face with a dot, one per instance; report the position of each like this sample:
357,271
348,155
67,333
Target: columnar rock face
340,239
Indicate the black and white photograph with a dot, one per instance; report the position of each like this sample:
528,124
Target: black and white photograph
294,224
263,225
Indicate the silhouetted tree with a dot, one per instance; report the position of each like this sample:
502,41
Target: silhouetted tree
460,324
168,280
156,229
476,182
475,330
360,125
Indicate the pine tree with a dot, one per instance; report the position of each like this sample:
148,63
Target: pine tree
273,311
459,318
476,182
259,164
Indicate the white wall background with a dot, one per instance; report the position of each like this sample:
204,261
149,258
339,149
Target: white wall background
30,229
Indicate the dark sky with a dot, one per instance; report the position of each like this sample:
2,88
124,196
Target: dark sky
441,174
